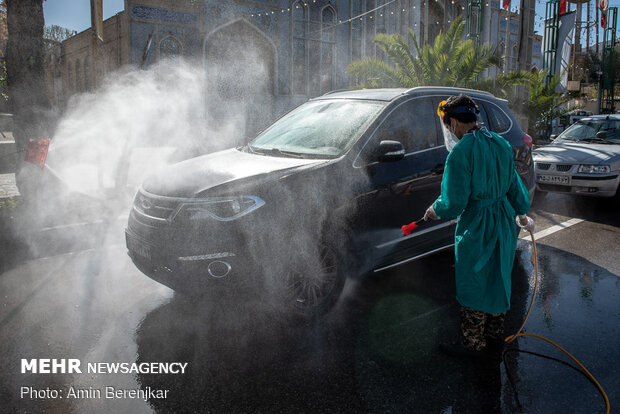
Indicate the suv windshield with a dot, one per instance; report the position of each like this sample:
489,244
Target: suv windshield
598,131
317,129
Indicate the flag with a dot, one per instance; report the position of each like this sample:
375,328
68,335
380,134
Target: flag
506,4
603,4
36,151
563,7
565,34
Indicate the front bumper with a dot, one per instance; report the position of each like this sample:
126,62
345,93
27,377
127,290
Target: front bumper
187,260
594,185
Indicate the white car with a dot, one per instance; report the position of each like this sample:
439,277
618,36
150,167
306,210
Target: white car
582,160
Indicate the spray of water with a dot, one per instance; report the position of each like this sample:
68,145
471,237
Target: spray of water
110,140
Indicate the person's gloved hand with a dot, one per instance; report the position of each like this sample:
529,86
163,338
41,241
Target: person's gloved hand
525,222
430,214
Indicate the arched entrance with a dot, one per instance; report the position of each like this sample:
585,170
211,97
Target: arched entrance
239,63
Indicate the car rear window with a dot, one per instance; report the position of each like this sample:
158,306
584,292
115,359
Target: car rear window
482,116
498,121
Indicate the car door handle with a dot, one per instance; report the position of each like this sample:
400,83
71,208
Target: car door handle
438,169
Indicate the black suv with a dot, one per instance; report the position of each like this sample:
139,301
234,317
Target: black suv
319,195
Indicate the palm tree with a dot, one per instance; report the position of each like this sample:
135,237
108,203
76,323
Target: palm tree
449,61
544,103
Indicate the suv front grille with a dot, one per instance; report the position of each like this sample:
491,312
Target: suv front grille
563,167
543,166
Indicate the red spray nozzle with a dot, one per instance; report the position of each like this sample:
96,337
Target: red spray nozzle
408,228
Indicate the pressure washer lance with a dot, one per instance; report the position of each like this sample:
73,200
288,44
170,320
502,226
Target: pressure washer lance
408,228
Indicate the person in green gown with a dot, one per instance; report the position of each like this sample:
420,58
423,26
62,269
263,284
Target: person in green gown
481,187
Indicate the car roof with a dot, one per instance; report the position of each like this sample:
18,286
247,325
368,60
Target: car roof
390,94
601,117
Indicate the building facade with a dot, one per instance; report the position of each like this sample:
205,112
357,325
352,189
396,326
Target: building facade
277,53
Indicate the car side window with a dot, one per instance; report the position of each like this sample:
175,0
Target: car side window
498,120
412,124
482,116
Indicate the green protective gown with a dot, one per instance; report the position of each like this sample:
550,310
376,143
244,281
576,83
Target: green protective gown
481,187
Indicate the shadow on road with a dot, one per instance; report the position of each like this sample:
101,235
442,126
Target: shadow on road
375,352
594,209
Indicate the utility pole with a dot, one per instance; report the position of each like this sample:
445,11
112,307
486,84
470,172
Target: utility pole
525,44
526,34
596,25
588,32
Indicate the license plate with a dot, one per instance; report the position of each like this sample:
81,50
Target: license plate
554,179
139,248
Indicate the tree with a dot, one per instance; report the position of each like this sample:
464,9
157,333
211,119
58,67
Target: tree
449,61
544,103
503,86
57,34
25,74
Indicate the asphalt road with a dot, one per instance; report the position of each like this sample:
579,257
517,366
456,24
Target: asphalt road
377,351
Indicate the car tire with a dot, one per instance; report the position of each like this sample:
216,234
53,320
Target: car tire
310,290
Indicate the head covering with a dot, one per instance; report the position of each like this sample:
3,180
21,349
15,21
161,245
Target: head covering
457,105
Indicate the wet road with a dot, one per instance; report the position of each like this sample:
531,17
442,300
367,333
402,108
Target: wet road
375,352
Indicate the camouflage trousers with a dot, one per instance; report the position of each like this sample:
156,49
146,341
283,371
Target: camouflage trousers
479,327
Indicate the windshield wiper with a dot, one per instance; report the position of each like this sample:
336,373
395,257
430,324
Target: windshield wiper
275,151
278,151
600,140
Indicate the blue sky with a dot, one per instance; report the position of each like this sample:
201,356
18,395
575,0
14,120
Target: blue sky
75,14
541,7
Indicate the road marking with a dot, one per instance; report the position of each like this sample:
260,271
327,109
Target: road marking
546,232
72,225
83,224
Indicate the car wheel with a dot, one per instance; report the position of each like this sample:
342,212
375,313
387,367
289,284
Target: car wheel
313,284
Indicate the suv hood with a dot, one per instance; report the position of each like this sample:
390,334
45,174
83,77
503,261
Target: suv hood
574,153
191,177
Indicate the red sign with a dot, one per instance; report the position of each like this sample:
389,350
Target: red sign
36,152
506,4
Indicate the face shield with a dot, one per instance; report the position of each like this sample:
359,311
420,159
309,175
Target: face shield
449,138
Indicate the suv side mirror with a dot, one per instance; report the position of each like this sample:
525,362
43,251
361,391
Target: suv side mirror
601,134
388,151
552,137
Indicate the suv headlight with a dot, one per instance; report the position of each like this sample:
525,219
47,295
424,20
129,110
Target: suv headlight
220,208
597,169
